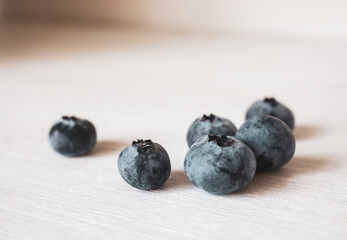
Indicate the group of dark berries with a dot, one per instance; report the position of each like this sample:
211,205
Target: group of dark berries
221,158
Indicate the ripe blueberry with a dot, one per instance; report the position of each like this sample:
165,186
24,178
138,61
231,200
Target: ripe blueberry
220,164
72,136
270,139
144,165
269,106
212,125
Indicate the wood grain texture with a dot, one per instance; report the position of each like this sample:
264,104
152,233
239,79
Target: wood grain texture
148,85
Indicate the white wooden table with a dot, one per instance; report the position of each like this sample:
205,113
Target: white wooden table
136,84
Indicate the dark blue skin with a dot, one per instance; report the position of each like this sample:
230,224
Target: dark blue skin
212,125
72,136
144,165
270,139
270,106
220,164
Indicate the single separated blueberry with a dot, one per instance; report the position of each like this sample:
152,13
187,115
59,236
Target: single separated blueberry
144,165
270,139
212,125
269,106
220,164
72,136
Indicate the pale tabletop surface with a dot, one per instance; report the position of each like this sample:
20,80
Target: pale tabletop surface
135,84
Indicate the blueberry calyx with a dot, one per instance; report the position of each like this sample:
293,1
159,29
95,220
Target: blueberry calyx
271,101
143,146
222,141
73,118
210,118
70,121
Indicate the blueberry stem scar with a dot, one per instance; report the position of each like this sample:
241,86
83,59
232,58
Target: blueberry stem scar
271,101
210,118
222,141
70,118
143,146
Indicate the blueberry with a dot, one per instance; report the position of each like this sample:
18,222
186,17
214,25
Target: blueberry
72,136
220,164
269,106
212,125
270,139
144,165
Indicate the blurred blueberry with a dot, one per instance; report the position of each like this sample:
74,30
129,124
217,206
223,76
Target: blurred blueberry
270,139
220,164
212,125
144,165
270,106
72,136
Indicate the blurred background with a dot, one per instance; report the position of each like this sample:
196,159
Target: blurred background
86,57
176,51
48,19
318,18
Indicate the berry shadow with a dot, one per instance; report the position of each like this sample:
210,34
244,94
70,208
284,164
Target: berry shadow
177,180
274,181
303,132
105,147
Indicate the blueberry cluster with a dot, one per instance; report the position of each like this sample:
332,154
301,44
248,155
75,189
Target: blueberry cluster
219,163
221,159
